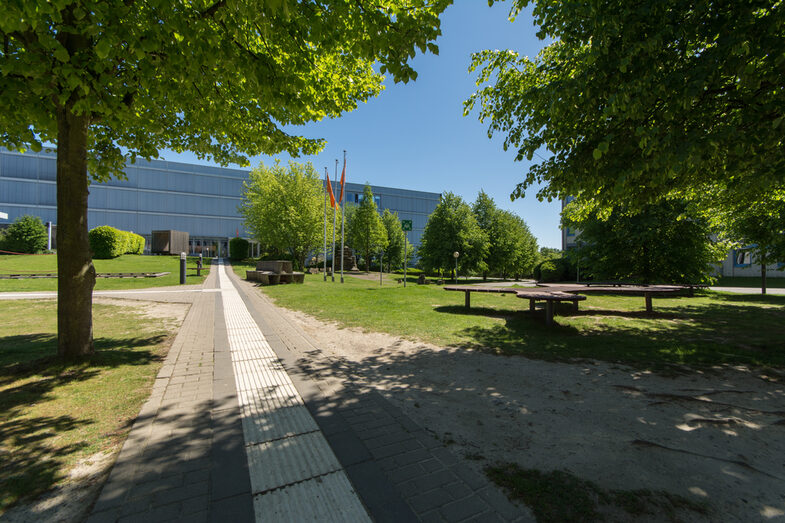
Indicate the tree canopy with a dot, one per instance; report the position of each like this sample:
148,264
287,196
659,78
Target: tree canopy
396,240
452,227
365,230
636,101
663,242
512,249
112,80
283,208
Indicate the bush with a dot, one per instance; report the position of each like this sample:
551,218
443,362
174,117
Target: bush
107,242
554,270
238,249
135,243
26,235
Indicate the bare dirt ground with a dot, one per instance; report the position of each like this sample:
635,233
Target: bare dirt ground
715,436
71,501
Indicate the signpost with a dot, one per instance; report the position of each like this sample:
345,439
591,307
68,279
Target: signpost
406,225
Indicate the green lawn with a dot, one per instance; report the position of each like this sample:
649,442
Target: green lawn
125,263
728,281
712,328
54,414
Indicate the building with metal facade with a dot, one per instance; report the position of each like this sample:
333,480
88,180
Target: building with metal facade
159,195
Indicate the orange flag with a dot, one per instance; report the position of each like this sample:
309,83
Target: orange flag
330,188
343,177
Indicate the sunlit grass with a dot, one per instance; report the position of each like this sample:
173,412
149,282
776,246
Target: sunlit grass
709,329
54,414
126,263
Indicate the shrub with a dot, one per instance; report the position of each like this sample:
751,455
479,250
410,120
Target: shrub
556,269
107,242
238,249
135,243
27,235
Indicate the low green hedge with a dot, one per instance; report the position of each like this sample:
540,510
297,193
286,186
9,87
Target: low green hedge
107,242
238,249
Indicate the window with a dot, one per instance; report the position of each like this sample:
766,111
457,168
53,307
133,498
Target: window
358,198
742,258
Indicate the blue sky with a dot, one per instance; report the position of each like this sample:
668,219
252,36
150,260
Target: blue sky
415,136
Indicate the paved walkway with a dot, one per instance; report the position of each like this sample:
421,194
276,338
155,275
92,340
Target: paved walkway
249,421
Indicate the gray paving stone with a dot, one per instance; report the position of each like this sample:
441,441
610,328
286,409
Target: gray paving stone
436,498
471,478
435,480
464,508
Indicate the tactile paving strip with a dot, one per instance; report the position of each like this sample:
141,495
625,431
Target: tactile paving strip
295,475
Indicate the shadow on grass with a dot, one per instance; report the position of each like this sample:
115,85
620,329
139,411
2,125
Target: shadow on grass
32,374
732,330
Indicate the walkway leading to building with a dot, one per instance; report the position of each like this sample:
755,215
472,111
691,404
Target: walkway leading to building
248,422
294,472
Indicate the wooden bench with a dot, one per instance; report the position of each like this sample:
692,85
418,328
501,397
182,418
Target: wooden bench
468,289
532,294
549,297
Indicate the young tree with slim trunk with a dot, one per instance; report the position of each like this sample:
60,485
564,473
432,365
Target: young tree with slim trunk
395,241
451,228
112,80
366,230
283,208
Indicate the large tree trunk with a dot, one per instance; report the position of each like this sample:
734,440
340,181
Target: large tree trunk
75,271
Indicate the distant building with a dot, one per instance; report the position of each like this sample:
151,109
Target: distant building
161,195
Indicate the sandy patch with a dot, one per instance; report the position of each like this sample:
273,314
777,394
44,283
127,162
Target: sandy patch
715,436
72,500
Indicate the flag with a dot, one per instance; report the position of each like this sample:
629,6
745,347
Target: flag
330,188
237,232
343,177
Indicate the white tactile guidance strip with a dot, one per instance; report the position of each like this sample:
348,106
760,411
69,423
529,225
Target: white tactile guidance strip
295,475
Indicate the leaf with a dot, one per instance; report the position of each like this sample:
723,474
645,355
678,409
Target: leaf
102,48
597,154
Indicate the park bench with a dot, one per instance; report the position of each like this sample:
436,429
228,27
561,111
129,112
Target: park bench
273,272
468,289
550,298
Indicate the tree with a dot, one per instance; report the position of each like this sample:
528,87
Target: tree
365,230
512,249
452,227
664,242
762,226
396,240
549,253
637,101
283,209
26,235
110,81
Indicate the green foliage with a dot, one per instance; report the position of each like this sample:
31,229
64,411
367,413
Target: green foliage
548,253
146,76
512,249
107,242
451,228
26,235
664,242
135,244
555,270
238,249
665,95
394,253
365,231
283,208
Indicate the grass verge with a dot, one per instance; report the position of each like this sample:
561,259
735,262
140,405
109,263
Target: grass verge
709,329
561,496
52,414
125,263
750,282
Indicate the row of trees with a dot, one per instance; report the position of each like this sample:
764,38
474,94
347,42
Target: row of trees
283,207
486,238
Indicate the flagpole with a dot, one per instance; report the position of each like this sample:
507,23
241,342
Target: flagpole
325,225
343,215
335,211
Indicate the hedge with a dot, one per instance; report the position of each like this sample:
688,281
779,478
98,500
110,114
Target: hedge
26,235
238,249
108,242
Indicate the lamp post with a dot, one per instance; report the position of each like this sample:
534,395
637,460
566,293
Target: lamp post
455,255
